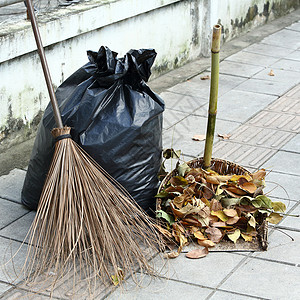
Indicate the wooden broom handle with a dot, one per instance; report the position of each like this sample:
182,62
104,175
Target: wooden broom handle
42,55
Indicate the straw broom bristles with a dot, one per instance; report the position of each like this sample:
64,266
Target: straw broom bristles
86,219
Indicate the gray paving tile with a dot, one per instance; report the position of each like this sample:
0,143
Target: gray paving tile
227,295
12,259
183,103
265,49
252,59
287,64
244,155
261,137
239,106
11,185
202,271
201,88
171,117
157,288
282,186
10,211
285,162
180,136
268,87
294,55
276,120
17,294
295,26
293,145
284,38
239,69
294,93
280,75
19,229
3,288
64,289
278,281
282,248
292,222
286,104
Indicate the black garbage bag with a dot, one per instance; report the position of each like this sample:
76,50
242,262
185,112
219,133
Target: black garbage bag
114,116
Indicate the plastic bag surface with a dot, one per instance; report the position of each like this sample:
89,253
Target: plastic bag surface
114,116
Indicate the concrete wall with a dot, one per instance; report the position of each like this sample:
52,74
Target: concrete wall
179,30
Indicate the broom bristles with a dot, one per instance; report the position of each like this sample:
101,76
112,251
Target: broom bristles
86,222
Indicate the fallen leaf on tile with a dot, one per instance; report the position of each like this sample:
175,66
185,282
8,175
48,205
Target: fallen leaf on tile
199,137
197,253
224,136
206,77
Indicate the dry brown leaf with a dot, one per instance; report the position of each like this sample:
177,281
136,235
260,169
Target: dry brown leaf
206,243
165,232
205,201
249,187
224,136
190,222
206,77
218,224
174,189
214,234
197,253
179,200
215,205
230,212
236,191
259,175
172,254
212,179
271,73
199,235
232,220
199,137
242,180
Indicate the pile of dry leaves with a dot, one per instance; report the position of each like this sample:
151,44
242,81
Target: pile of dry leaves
206,207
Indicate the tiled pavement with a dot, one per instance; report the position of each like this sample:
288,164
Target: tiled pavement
262,114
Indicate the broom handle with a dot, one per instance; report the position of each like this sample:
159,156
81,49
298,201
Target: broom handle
42,55
214,83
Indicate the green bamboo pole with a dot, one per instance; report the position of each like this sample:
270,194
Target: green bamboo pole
214,84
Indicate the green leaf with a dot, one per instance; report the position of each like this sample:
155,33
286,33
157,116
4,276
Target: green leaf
220,214
279,206
162,194
266,202
264,211
257,203
246,200
274,218
117,278
246,237
178,181
171,153
183,168
164,215
226,202
234,236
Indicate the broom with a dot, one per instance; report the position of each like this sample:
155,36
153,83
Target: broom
86,223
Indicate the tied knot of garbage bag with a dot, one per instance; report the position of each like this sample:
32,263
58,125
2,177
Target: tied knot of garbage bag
114,116
134,67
